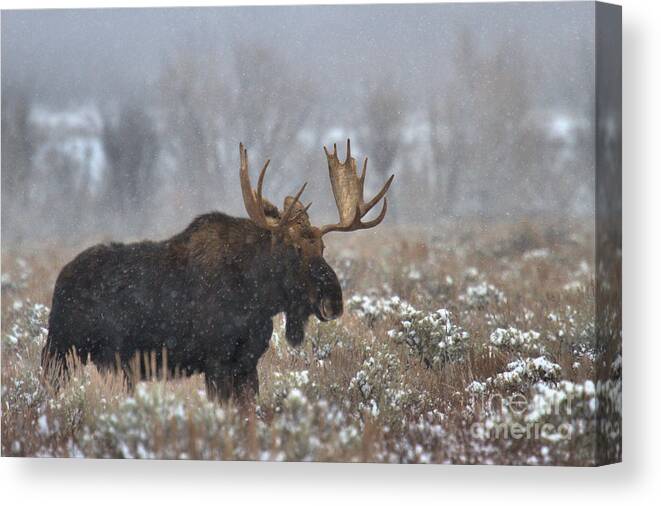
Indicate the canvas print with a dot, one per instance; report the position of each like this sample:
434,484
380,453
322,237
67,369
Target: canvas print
358,233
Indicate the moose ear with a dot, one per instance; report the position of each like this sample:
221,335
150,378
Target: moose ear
300,211
270,210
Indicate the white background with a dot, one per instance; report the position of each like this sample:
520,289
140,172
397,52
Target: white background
637,480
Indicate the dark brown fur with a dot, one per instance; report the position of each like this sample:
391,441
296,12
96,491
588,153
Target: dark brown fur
206,295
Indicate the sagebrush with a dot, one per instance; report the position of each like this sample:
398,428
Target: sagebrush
443,332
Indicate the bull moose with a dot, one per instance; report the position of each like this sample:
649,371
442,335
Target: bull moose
208,295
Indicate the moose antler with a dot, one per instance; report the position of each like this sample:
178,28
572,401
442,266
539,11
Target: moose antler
254,202
348,192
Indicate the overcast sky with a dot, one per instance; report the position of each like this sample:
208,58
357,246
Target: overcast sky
72,53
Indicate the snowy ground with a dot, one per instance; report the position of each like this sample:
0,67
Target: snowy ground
472,344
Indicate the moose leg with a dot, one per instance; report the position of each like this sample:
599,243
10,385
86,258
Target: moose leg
235,375
255,344
246,385
219,385
230,383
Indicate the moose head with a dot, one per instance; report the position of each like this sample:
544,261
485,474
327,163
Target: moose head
310,284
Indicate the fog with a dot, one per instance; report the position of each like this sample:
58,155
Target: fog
124,123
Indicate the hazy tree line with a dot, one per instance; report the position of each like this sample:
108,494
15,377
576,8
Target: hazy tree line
480,141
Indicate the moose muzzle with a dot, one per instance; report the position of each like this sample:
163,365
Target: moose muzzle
328,292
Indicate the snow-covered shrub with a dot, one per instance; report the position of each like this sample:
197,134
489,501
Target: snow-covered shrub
30,327
19,280
295,427
471,274
413,273
311,431
516,341
569,325
421,438
536,254
282,384
482,295
574,286
525,371
23,342
25,391
431,337
137,423
374,309
380,388
552,422
373,378
326,337
477,387
557,402
583,351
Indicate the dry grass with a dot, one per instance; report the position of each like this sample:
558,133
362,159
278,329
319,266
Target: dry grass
392,381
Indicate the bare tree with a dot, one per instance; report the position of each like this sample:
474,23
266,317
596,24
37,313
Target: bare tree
131,146
192,98
212,101
268,108
483,140
452,126
384,116
508,146
274,105
18,147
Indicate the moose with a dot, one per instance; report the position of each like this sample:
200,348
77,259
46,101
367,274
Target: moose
204,300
